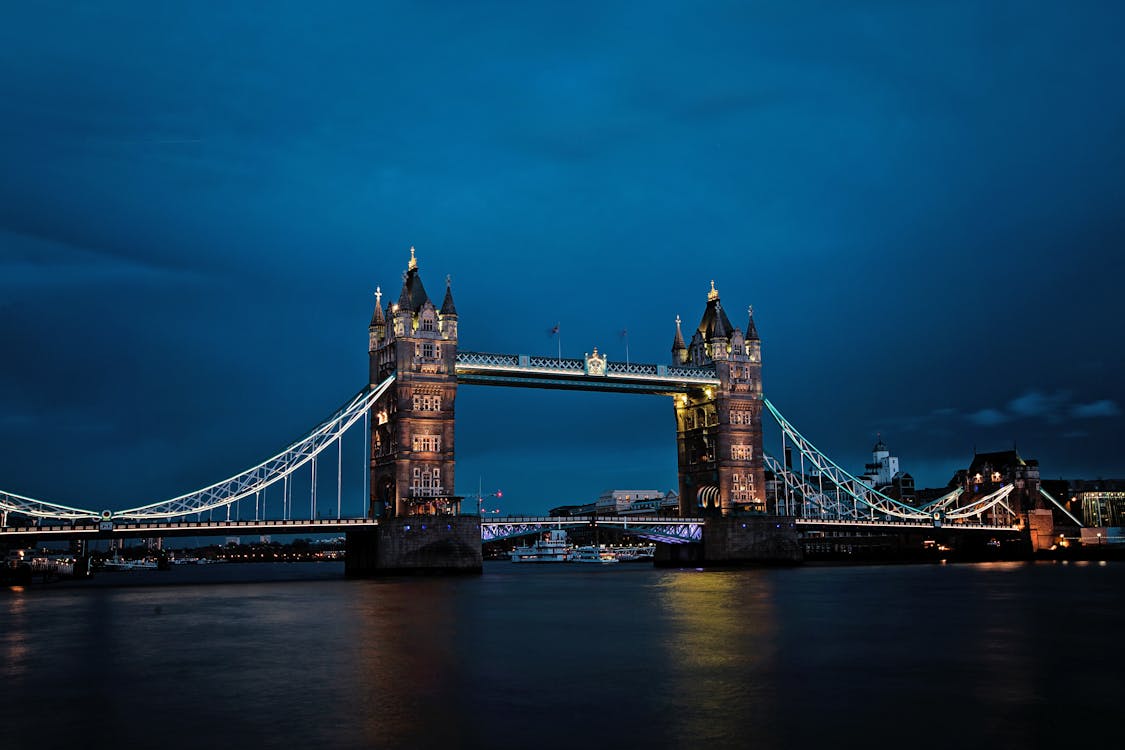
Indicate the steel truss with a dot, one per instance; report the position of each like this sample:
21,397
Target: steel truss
824,490
668,530
519,363
229,491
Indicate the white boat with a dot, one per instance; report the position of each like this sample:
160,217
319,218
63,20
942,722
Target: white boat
635,554
592,554
118,564
554,547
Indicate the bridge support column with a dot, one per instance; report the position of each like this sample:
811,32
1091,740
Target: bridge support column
753,540
408,545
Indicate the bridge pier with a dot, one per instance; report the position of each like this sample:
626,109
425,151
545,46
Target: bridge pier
438,545
737,540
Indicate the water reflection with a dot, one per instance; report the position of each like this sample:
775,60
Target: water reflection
566,657
720,639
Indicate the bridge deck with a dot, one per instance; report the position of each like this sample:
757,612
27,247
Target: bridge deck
522,370
185,528
672,527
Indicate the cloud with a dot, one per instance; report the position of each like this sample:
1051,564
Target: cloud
988,417
1038,404
1102,408
1050,407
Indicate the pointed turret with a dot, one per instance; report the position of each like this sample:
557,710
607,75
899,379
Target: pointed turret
751,329
720,331
378,327
404,295
413,294
679,348
447,306
712,314
720,338
377,320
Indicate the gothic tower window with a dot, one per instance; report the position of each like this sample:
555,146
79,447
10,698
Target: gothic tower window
425,481
427,402
429,443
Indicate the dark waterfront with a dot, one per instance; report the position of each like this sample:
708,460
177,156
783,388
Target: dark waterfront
996,655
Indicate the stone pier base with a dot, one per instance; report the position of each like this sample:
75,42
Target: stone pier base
737,540
415,545
754,540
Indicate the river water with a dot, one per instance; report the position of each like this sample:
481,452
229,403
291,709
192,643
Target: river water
568,656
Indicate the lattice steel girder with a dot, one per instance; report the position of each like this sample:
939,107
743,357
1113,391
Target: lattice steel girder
606,384
840,477
981,505
672,531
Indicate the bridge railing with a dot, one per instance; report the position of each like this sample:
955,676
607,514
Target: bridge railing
570,365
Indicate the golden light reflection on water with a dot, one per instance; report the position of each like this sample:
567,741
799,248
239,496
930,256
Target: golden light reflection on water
14,635
722,648
404,664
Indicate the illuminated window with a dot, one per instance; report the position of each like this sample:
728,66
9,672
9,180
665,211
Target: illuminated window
741,452
427,323
995,476
427,402
427,442
739,417
742,488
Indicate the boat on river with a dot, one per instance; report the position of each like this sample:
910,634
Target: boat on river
592,554
552,547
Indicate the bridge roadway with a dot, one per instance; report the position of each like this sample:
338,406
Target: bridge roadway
671,530
522,370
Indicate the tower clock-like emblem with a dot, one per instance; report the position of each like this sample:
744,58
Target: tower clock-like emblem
595,365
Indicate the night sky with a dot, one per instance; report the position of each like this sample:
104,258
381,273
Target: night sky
923,202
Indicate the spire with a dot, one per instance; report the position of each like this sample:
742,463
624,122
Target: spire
751,329
678,342
720,330
447,307
714,293
413,265
377,319
404,295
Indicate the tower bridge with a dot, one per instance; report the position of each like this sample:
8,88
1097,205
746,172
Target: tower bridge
407,414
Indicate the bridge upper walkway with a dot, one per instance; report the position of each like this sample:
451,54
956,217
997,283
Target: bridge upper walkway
480,368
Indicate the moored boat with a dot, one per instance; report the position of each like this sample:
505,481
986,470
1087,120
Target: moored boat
592,554
554,547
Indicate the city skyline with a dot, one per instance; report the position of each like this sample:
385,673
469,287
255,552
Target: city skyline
923,209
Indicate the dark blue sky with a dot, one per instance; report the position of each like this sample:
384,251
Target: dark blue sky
922,201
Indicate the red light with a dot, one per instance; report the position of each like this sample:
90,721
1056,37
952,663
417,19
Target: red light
499,493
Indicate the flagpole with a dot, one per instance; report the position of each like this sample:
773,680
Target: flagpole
557,328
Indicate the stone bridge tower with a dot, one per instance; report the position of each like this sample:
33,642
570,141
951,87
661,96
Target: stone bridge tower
412,424
719,429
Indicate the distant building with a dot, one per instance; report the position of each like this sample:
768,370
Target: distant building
883,474
1097,502
624,502
988,472
612,502
663,504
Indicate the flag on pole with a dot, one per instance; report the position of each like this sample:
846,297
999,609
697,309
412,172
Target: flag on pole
555,332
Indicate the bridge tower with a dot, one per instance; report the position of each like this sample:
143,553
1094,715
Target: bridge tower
719,430
412,425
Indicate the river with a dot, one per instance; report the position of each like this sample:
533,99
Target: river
567,656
